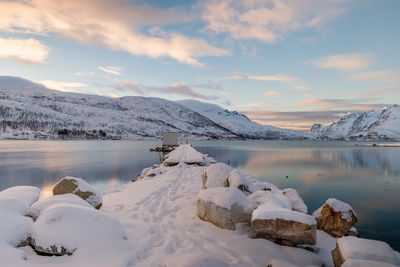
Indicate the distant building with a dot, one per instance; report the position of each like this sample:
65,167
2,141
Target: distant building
170,138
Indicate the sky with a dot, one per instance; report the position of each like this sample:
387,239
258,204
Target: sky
288,63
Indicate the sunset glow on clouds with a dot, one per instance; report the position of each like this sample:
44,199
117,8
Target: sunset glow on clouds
282,62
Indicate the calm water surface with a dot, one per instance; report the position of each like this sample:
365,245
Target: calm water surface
368,178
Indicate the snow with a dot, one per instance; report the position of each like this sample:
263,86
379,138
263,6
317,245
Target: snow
217,175
365,263
184,153
268,212
94,199
365,249
27,194
237,179
225,197
77,227
297,202
280,263
379,124
240,124
341,206
317,212
269,198
44,203
264,186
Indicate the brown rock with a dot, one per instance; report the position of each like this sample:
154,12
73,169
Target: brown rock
50,251
335,222
337,257
284,232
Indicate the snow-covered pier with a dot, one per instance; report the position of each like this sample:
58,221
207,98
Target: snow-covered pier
188,211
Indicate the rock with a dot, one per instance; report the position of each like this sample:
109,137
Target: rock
353,232
27,194
62,228
265,186
335,217
283,226
352,248
80,188
240,181
44,203
224,207
297,202
184,153
271,198
216,175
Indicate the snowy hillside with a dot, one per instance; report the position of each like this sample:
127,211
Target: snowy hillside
379,124
29,110
240,124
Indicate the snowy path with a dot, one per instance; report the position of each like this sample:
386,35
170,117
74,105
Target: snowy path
159,215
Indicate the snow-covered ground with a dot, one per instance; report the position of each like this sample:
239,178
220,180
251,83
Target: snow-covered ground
160,227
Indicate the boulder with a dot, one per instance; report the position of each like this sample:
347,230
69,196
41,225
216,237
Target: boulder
265,186
184,153
335,217
216,175
62,228
350,248
224,207
283,226
26,194
272,198
297,202
240,181
80,188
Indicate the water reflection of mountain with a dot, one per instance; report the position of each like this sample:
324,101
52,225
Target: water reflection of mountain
380,160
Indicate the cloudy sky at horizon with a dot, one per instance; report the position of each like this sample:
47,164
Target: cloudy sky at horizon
288,63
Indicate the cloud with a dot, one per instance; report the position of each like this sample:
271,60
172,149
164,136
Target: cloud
337,104
268,21
24,50
384,76
115,24
177,88
112,96
276,77
273,93
87,73
344,62
112,70
62,86
384,89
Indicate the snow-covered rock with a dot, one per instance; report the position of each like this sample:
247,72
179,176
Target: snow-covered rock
63,228
44,203
184,153
265,186
27,194
216,175
366,263
238,180
354,248
270,198
335,217
284,226
297,202
240,124
224,207
15,226
79,187
379,124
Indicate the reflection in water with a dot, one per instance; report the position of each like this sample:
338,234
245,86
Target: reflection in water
366,177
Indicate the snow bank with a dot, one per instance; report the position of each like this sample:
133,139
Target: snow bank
269,198
27,194
72,227
44,203
225,197
184,153
268,212
297,202
365,249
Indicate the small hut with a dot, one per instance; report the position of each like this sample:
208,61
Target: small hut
170,139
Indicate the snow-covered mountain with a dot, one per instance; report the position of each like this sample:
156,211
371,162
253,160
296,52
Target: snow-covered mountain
29,110
240,124
379,124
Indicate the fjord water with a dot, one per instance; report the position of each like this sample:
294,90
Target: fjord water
368,178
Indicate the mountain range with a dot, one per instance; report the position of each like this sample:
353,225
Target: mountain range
29,110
